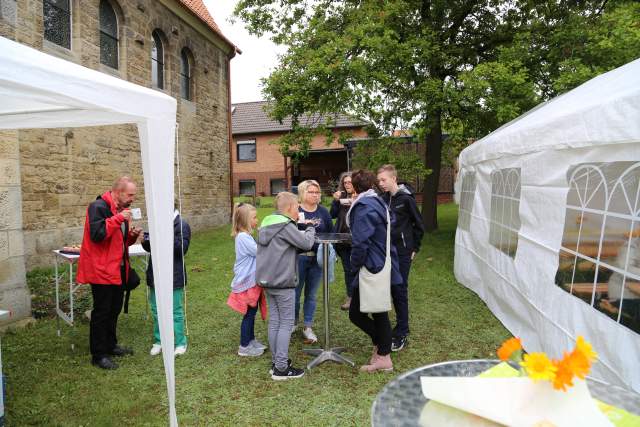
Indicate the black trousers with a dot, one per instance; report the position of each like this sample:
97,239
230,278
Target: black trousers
107,304
376,325
400,296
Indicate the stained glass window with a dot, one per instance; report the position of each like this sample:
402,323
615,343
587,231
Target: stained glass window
57,22
157,61
108,35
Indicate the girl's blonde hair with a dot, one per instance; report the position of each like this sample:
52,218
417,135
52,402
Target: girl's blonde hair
241,220
303,187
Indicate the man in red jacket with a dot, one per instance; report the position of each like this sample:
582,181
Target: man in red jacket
104,264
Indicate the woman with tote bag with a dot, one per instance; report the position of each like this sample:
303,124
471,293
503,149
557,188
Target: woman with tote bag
374,261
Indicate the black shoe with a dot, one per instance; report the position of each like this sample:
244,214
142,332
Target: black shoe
104,363
273,366
287,374
121,351
398,343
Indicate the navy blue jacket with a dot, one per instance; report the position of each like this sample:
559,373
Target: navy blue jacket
179,273
368,219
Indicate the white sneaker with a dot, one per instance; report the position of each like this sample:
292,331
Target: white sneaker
156,349
309,336
180,350
257,344
249,351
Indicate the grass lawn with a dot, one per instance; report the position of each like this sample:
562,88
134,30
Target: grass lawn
49,384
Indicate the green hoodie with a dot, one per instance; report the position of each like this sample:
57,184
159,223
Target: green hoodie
279,242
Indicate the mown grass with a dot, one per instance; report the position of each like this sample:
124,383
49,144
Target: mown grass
49,384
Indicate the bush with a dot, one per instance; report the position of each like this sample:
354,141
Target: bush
42,285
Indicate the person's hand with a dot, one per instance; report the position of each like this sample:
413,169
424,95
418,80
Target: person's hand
126,213
135,231
337,195
413,255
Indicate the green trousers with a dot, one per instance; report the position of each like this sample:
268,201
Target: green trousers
178,317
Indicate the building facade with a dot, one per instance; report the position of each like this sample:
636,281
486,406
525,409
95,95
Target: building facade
50,176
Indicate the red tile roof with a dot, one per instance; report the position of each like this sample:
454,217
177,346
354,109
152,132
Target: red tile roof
198,8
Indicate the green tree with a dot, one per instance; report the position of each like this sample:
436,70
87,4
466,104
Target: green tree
466,66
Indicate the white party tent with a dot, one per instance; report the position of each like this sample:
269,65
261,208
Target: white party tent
40,91
549,224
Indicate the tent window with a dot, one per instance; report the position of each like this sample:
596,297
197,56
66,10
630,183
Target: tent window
185,75
247,187
108,35
57,22
466,200
157,61
599,259
505,210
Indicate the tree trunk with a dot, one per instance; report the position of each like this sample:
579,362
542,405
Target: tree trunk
433,159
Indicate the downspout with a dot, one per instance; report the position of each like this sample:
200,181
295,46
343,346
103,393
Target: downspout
230,131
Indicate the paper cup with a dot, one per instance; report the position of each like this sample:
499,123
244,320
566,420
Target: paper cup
136,213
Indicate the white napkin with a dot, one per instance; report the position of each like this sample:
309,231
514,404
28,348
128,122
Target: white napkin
516,402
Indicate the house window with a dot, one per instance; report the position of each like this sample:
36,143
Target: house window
277,186
466,200
186,90
57,22
246,150
505,210
247,187
599,260
108,35
157,60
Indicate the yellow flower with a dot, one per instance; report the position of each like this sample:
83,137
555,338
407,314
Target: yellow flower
539,367
508,348
585,348
564,374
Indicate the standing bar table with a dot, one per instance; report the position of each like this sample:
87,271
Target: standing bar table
327,353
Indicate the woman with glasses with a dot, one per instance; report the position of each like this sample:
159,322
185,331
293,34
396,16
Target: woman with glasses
312,214
340,205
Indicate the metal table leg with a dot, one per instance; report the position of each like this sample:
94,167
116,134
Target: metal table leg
327,353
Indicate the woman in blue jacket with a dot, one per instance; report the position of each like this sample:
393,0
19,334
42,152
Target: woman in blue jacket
368,221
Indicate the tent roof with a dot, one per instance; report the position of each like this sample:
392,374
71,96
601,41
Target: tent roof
36,89
602,111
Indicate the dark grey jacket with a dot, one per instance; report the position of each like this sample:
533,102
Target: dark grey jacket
279,242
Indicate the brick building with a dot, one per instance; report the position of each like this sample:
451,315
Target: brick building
258,165
50,176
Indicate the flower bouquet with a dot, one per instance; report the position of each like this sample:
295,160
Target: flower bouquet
541,393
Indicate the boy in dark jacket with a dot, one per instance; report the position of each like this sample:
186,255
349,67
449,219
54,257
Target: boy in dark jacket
181,239
279,241
406,234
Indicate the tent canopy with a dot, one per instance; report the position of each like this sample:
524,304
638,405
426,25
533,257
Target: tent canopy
548,223
40,91
595,113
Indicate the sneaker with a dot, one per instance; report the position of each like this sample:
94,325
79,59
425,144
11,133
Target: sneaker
156,349
273,366
257,344
382,363
287,374
180,350
399,343
249,351
309,336
346,304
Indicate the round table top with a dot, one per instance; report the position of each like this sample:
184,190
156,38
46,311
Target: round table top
333,238
401,401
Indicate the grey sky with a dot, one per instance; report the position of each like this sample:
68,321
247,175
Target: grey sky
259,55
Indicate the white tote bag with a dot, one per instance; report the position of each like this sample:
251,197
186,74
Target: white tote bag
375,289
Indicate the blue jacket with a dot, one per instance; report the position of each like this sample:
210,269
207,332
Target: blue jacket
179,273
368,219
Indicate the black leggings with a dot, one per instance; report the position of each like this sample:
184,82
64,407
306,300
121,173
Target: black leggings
378,328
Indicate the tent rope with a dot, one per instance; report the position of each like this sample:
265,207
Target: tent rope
184,272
